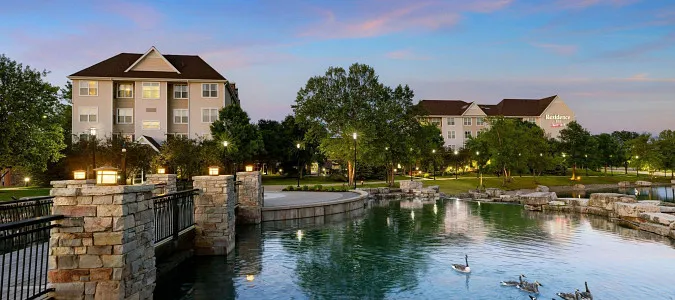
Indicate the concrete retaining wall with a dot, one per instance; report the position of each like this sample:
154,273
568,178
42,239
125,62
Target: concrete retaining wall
315,209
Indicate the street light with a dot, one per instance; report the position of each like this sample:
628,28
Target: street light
92,137
298,146
456,164
411,171
124,162
637,166
25,181
434,159
354,136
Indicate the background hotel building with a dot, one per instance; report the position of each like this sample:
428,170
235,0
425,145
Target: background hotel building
149,96
459,120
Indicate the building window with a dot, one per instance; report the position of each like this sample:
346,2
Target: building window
467,121
451,121
88,114
209,115
531,120
451,134
181,135
125,90
180,116
125,115
151,125
467,134
88,88
480,121
150,90
435,121
180,91
209,90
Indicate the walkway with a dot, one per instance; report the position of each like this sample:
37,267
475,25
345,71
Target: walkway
280,199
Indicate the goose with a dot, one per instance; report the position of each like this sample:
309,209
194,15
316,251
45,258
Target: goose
530,287
587,294
513,282
569,296
462,268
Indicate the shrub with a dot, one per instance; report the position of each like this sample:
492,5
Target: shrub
305,188
319,187
331,189
289,188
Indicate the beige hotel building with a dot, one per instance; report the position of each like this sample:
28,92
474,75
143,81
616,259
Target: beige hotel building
149,96
460,120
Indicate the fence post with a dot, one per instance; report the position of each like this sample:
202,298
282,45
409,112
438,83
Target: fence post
104,247
249,198
214,214
169,180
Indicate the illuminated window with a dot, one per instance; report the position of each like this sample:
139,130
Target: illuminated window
125,90
88,88
150,90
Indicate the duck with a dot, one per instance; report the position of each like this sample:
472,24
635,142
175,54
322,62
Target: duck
513,282
530,287
587,294
569,296
462,268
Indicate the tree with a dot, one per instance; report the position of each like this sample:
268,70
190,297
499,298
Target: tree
29,107
179,155
643,153
575,142
666,147
243,138
608,149
623,153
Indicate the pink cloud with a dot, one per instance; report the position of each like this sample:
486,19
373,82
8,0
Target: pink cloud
588,3
557,48
143,15
419,16
405,54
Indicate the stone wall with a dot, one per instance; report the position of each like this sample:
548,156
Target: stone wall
407,186
214,214
104,247
166,183
249,198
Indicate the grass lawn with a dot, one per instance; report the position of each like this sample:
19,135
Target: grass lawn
6,194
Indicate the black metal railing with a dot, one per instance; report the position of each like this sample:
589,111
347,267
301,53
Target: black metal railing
174,212
24,249
25,208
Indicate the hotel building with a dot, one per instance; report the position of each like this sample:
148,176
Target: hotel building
149,96
460,120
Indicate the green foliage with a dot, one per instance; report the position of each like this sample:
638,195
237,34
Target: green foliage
576,142
244,139
30,118
318,187
182,157
666,147
305,188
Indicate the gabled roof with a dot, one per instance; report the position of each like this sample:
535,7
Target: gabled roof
187,67
445,107
152,49
524,107
144,139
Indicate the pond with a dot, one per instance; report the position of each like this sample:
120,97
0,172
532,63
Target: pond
663,193
403,250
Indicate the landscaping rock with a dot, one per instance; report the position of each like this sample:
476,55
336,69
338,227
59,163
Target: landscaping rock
579,187
633,210
494,192
659,218
607,200
577,202
542,188
556,203
537,198
534,207
408,185
667,209
643,183
624,184
436,188
655,228
593,211
383,190
651,202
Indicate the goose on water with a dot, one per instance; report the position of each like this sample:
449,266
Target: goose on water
462,268
530,287
587,294
513,282
569,296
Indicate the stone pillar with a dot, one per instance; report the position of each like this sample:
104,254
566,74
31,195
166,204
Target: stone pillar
214,214
250,196
104,247
168,180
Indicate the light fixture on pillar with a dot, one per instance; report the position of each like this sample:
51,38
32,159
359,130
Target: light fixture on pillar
106,176
213,171
79,174
249,168
161,170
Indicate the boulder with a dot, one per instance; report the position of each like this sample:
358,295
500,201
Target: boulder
494,192
537,198
556,203
667,209
542,188
579,187
534,207
633,210
607,200
651,202
624,184
593,211
576,201
509,198
409,185
655,228
643,183
659,218
383,190
436,188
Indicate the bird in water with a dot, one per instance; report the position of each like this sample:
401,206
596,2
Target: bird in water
513,282
530,287
462,268
587,294
569,296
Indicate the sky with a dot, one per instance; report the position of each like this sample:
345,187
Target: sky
611,61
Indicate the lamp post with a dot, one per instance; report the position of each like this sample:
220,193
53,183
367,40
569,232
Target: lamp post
433,152
124,162
456,164
411,159
637,166
298,146
92,137
354,136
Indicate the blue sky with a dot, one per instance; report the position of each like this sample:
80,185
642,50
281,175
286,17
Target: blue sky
612,61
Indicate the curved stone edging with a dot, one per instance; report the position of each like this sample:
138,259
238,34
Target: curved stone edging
290,212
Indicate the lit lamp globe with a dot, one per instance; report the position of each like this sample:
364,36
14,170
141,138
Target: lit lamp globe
250,277
213,171
161,170
106,176
249,168
79,174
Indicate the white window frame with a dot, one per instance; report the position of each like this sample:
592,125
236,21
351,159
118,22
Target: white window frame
470,134
81,111
452,135
209,110
186,116
480,121
150,83
450,122
467,123
158,123
87,86
209,90
118,115
187,91
117,92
